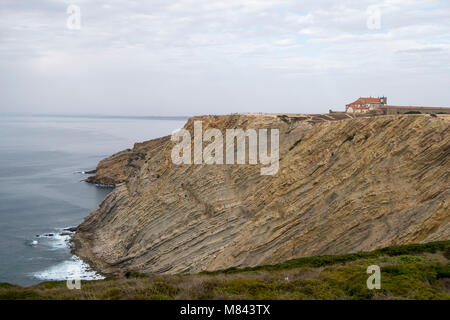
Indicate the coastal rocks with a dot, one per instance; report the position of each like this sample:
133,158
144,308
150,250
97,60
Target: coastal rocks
122,165
342,186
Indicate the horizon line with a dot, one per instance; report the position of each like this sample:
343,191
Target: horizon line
94,116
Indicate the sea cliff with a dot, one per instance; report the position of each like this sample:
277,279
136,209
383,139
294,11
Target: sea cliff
344,185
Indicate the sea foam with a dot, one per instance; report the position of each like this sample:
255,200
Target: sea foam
73,268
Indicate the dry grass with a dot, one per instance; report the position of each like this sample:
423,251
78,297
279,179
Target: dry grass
408,272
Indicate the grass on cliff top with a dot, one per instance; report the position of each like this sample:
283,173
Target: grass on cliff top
419,271
320,261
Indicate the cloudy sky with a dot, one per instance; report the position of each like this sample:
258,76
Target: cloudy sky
164,57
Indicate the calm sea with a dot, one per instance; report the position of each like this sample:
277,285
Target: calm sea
42,160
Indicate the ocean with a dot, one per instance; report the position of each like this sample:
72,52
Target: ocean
43,160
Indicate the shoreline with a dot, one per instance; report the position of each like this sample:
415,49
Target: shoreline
292,279
72,268
109,252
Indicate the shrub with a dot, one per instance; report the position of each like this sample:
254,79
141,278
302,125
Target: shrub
356,287
135,274
6,285
17,294
161,287
413,112
442,271
320,261
112,294
51,284
447,252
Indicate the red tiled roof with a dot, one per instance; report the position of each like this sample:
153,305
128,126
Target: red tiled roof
371,100
365,100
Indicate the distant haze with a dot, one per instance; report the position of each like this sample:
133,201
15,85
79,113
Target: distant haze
190,57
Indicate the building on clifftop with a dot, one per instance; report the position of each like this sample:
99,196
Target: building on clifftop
363,105
380,106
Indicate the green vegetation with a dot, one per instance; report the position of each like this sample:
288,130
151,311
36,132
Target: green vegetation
134,274
417,271
412,112
320,261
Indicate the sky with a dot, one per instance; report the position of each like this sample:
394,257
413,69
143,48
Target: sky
190,57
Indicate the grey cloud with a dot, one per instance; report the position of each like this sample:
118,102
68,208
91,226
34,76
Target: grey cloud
219,56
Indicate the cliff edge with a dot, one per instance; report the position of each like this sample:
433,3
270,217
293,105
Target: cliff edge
343,185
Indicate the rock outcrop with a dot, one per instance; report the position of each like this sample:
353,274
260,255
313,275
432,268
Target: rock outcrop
342,186
117,168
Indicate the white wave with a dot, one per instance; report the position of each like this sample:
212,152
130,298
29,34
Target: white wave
32,243
74,268
55,241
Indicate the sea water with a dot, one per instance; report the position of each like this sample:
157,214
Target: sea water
42,192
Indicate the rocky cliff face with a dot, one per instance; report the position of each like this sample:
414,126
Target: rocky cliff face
117,168
342,186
